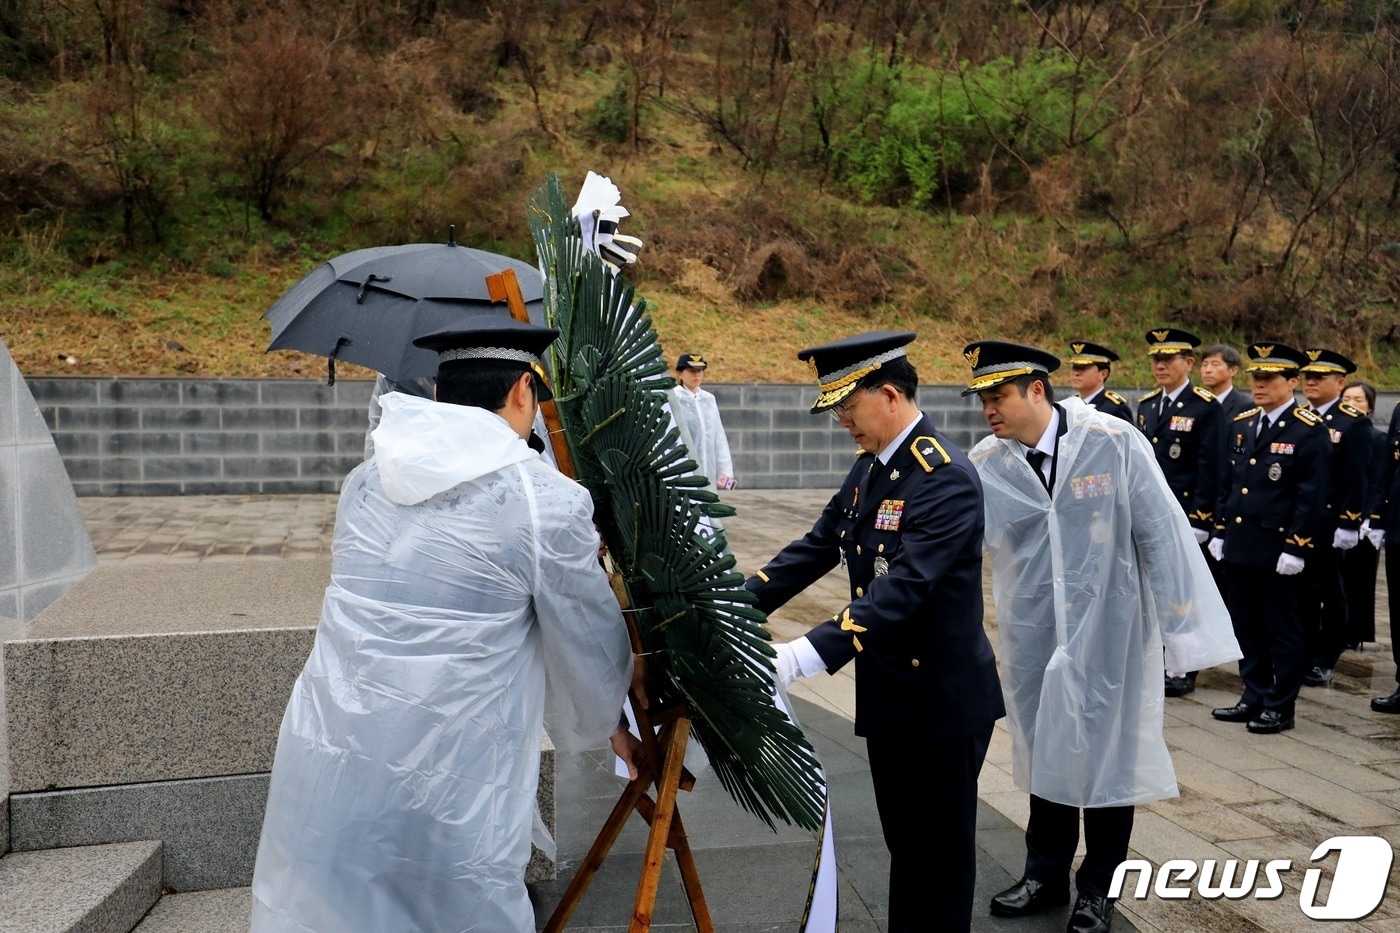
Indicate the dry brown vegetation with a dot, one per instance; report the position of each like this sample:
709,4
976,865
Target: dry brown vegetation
1036,170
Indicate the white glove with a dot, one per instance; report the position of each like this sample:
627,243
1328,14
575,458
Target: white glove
1375,535
1202,536
1216,548
1345,540
786,663
1288,565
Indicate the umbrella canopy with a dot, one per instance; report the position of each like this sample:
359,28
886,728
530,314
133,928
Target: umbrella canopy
366,306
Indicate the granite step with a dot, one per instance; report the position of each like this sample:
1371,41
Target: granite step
226,911
84,889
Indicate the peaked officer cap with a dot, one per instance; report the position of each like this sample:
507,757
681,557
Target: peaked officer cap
1328,361
690,361
839,366
494,337
994,362
1163,341
1269,357
1090,354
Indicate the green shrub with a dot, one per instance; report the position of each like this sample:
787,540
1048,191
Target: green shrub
933,126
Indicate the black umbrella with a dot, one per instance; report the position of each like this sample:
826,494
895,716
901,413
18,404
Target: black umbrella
366,306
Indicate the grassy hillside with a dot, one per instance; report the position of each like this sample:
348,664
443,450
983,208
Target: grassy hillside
1031,171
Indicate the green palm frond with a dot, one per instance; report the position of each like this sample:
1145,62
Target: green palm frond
709,648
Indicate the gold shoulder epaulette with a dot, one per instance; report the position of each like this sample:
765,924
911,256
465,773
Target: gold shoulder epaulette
1153,394
929,453
1350,410
1206,394
1114,397
1307,415
1252,413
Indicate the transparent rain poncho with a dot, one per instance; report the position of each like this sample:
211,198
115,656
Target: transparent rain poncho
697,416
464,577
1089,590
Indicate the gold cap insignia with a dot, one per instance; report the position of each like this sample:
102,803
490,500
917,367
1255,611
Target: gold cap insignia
812,365
1077,347
1264,351
1161,334
696,358
1314,354
971,356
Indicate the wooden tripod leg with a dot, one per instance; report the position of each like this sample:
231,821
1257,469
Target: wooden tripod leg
632,795
668,785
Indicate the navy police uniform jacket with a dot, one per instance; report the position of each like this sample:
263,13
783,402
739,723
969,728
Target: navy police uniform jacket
1278,488
1348,486
1111,403
1385,501
1188,439
910,536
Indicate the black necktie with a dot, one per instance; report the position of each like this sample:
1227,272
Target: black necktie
1259,429
1036,458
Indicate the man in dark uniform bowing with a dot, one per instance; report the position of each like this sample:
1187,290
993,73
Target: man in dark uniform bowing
1088,376
907,526
1186,428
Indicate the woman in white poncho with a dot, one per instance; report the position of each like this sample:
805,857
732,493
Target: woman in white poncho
1094,573
464,576
697,415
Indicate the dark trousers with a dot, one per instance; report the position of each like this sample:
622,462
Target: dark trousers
1266,608
1392,587
1359,581
1053,833
1325,612
926,793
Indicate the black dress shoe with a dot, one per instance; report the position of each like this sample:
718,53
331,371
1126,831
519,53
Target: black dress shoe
1269,722
1318,677
1028,896
1092,914
1240,712
1390,704
1180,686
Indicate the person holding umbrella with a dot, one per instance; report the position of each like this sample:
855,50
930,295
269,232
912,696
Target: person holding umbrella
464,577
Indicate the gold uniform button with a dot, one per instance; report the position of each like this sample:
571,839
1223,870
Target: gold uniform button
860,592
1252,461
1238,519
857,548
915,662
1154,440
1244,491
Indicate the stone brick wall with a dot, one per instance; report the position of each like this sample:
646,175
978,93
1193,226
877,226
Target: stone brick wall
158,437
138,436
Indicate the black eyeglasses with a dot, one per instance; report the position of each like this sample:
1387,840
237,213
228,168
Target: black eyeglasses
844,409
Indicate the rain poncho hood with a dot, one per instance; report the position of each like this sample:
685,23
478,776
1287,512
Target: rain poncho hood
1090,587
425,447
464,575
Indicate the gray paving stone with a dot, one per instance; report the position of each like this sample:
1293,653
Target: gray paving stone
92,889
227,911
209,828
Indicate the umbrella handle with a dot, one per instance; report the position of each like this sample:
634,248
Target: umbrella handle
330,360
